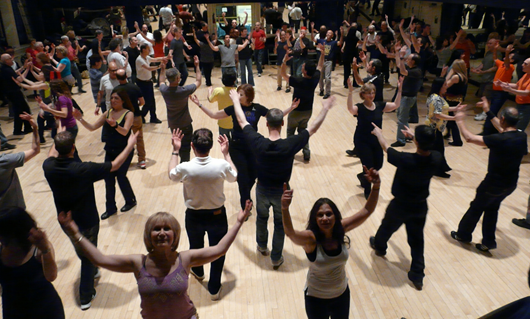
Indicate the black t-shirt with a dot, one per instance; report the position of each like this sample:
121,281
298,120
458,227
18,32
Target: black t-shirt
94,45
274,158
134,93
366,117
304,89
506,152
246,53
134,53
7,74
412,82
350,47
72,184
253,112
379,83
413,174
386,37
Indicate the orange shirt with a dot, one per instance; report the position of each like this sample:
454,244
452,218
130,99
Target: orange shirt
524,85
504,74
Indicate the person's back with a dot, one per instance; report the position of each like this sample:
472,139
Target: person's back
506,152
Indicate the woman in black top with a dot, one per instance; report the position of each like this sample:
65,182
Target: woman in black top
27,268
350,51
117,123
241,155
369,113
456,81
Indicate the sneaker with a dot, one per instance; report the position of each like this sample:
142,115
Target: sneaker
481,117
321,93
141,164
87,305
6,146
98,273
216,296
259,75
264,251
377,252
398,144
521,223
199,278
277,263
279,88
287,90
454,235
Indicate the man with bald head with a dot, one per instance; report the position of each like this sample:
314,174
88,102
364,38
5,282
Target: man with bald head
14,95
107,84
507,149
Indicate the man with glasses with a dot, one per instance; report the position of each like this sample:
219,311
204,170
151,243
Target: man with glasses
107,84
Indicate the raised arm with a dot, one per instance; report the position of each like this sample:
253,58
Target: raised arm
390,106
304,238
404,35
118,263
352,108
240,115
199,257
63,113
35,145
89,126
176,142
294,105
459,34
326,106
466,134
356,75
356,220
45,254
213,47
221,114
198,74
118,161
485,104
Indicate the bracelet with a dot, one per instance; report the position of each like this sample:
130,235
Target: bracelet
200,105
77,241
175,153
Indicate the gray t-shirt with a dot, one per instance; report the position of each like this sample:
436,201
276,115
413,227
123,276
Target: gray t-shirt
228,55
176,97
488,63
178,54
10,189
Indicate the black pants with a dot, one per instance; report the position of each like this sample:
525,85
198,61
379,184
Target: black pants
413,215
214,223
123,181
88,270
245,163
47,121
185,146
347,60
514,310
336,308
183,69
440,147
207,72
149,96
487,200
20,105
385,66
371,156
452,128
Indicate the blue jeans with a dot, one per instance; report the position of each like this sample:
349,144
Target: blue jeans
244,66
403,115
88,270
524,116
258,58
497,100
265,198
298,62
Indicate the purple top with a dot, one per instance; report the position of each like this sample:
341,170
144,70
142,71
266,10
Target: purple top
165,297
65,102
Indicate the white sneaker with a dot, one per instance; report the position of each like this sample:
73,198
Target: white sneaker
481,117
85,306
217,296
141,164
98,273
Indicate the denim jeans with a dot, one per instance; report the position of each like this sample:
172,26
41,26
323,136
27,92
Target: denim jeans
265,198
215,224
524,116
487,200
246,66
403,115
77,75
258,58
497,101
298,120
88,270
298,61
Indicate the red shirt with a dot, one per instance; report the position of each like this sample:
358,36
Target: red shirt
504,74
159,49
258,43
524,85
467,50
33,54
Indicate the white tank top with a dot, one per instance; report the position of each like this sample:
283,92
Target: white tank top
326,278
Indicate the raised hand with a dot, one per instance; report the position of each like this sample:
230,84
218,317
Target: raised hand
234,95
243,214
67,223
38,238
350,83
176,139
78,116
287,196
372,175
329,103
223,142
362,56
407,132
195,60
195,99
295,103
485,104
27,117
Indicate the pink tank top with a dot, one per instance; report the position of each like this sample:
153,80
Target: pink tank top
165,297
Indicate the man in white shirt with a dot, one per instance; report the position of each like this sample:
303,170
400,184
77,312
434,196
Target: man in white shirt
117,56
203,179
143,80
167,16
107,84
144,36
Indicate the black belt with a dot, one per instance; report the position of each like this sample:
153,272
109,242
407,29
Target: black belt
144,80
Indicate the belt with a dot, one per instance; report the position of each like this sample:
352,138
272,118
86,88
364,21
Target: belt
137,79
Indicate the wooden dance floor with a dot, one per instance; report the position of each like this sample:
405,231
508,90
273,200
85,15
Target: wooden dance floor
460,282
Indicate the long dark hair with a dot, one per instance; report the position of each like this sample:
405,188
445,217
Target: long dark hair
437,85
122,93
15,224
455,56
338,231
157,35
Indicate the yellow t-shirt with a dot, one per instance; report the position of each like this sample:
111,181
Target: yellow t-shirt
221,95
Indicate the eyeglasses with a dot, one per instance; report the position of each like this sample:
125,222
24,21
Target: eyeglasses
113,70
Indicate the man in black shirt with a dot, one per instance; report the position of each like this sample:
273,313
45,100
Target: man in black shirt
411,86
137,100
304,90
410,189
134,52
72,185
274,157
507,149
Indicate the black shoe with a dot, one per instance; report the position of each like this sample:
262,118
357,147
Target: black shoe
6,146
417,284
377,252
321,93
307,158
455,144
484,248
143,120
447,136
414,121
106,215
279,88
443,175
521,223
352,153
454,235
398,144
42,140
81,91
288,90
128,207
85,305
155,121
326,96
